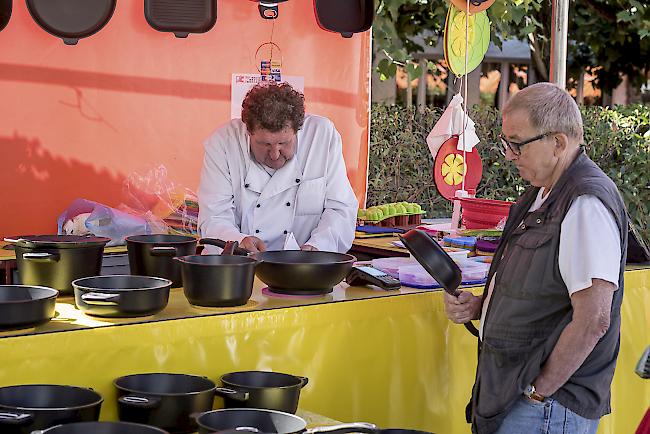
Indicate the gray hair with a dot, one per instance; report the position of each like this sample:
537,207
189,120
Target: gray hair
550,109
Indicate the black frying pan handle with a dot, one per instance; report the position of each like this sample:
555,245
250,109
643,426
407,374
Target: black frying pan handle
470,328
222,244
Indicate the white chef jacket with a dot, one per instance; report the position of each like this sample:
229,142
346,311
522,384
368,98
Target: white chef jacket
310,195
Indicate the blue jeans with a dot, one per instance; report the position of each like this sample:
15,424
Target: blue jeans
548,417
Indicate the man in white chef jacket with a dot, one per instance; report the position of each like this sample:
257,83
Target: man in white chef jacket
275,172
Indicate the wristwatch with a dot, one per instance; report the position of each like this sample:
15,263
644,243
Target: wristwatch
531,393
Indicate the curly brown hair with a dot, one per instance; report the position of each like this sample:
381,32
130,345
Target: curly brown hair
273,106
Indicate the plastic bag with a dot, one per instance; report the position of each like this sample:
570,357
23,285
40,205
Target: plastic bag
103,221
156,198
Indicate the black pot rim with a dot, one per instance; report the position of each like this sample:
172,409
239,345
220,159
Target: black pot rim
185,260
129,390
346,258
163,283
49,297
185,239
245,386
257,410
76,241
100,399
112,422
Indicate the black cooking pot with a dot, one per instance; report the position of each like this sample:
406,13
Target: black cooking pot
153,255
121,296
269,421
56,260
217,280
164,400
102,428
258,389
24,306
297,272
39,406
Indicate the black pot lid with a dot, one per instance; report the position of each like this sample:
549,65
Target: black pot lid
57,241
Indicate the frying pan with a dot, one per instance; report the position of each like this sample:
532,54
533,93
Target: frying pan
345,16
71,20
181,17
297,272
5,12
436,262
24,306
268,421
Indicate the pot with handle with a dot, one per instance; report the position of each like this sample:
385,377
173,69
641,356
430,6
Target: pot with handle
31,407
218,280
436,262
26,306
56,260
269,421
264,390
297,272
71,20
121,295
164,400
153,255
102,428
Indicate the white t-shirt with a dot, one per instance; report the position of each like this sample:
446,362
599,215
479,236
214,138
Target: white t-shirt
590,246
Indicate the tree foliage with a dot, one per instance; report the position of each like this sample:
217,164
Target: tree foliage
606,37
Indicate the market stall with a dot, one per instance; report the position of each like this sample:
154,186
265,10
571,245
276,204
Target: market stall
391,358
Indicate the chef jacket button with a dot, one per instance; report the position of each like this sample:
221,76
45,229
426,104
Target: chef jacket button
257,206
257,231
523,226
246,185
539,221
297,180
285,232
288,203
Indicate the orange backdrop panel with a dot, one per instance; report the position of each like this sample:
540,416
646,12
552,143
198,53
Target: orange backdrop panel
75,121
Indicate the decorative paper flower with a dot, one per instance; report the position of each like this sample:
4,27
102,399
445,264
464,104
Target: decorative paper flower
453,169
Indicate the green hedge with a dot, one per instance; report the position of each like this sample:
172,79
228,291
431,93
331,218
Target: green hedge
401,166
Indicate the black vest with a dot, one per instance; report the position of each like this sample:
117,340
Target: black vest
530,305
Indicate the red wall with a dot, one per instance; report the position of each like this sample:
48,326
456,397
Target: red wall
76,120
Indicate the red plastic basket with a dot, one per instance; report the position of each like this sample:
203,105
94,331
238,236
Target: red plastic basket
483,213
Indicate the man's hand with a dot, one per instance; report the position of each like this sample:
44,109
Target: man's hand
464,308
308,248
253,244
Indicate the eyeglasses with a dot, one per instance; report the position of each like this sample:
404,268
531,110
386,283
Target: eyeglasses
515,147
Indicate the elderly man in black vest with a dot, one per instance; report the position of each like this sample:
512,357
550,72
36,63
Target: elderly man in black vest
550,317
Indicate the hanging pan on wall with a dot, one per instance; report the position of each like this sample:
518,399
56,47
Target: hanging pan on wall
345,16
5,13
269,8
71,20
181,17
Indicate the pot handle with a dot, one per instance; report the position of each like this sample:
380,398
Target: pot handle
100,299
41,257
221,243
163,251
7,418
303,381
13,240
139,401
225,392
362,427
